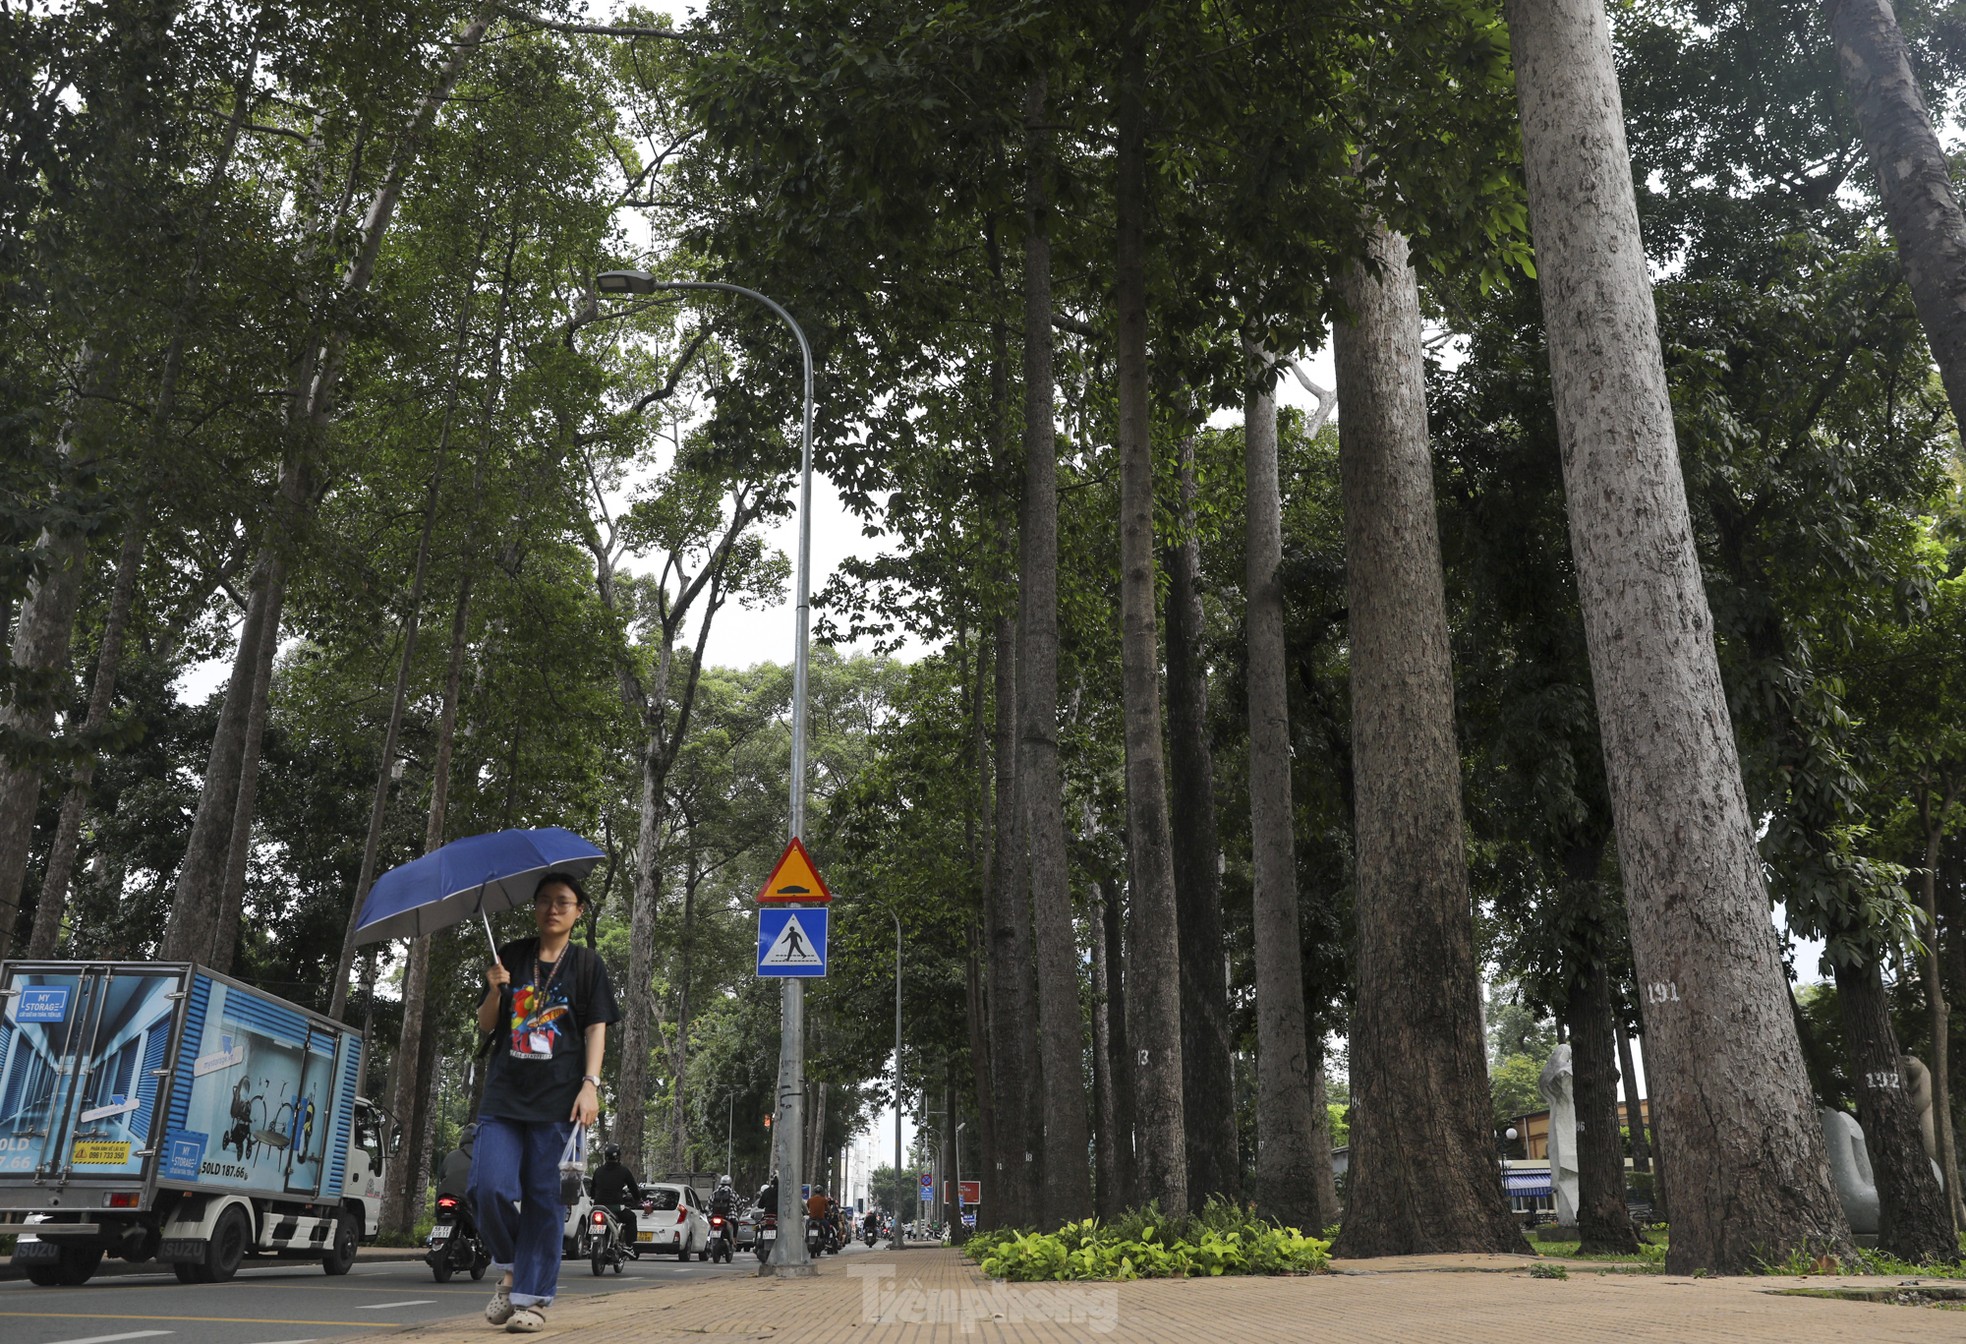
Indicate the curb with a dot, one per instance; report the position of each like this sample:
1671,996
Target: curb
365,1255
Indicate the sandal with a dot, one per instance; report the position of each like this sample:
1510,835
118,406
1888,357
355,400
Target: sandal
526,1321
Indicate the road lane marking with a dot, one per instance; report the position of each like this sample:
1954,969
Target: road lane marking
106,1339
153,1316
414,1302
308,1340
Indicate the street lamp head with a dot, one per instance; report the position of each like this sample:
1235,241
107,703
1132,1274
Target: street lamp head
1509,1134
625,282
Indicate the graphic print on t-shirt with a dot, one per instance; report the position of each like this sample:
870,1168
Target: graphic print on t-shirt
539,1018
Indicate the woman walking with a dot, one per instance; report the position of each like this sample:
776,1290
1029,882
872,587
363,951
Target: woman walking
552,1002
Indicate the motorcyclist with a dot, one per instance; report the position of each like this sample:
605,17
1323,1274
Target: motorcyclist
768,1197
870,1226
454,1178
816,1205
723,1200
615,1186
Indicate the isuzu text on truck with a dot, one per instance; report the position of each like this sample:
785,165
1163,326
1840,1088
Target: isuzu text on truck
164,1111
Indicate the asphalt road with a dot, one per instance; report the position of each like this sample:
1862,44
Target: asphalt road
288,1304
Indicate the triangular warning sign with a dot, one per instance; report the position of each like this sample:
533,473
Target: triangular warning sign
792,947
794,881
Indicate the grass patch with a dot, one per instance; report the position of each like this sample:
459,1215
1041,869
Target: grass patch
1143,1244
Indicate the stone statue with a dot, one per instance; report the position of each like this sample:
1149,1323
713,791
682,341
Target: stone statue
1918,1082
1555,1087
1849,1167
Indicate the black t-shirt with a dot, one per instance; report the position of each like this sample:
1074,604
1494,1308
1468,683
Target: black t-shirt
614,1184
540,1052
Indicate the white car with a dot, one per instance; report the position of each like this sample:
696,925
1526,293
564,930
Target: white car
675,1219
575,1234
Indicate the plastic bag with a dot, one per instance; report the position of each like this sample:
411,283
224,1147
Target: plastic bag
573,1166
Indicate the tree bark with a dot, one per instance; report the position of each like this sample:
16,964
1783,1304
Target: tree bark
201,876
1207,1085
53,903
976,929
1937,1009
1152,945
1126,1164
1065,1178
1913,1223
1736,1124
1602,1219
1423,1169
40,652
1913,177
1013,987
1287,1155
385,772
1108,1192
232,895
1634,1104
1325,1208
414,1045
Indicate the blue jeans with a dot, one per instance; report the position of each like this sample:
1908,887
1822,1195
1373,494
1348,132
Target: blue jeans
516,1169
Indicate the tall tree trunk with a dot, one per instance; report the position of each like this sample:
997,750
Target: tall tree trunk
385,772
1325,1208
1634,1103
201,876
1152,945
232,895
1065,1183
679,1069
42,634
1287,1156
1914,1223
1938,1011
1109,1194
975,929
1126,1164
53,903
1423,1167
1736,1125
415,1043
1013,985
1602,1220
1913,174
1207,1084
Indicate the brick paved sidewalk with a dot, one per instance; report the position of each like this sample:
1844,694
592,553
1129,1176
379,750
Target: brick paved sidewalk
935,1297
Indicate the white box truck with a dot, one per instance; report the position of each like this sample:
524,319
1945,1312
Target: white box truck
153,1110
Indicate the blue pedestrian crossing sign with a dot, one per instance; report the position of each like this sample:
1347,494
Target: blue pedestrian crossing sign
792,941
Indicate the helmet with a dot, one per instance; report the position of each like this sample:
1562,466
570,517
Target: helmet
612,1152
724,1179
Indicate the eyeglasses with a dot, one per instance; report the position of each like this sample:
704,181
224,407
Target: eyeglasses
555,903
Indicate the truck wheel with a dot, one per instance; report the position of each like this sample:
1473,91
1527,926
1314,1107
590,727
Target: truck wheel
227,1248
340,1257
188,1273
71,1270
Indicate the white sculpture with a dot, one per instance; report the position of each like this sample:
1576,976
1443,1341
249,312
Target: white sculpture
1556,1088
1849,1167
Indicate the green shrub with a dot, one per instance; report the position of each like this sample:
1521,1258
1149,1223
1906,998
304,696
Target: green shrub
1540,1270
1142,1244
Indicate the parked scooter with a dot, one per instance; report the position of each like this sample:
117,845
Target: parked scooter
723,1239
454,1243
605,1246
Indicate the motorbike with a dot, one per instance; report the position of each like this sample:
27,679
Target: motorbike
454,1243
605,1246
767,1234
870,1234
816,1237
722,1237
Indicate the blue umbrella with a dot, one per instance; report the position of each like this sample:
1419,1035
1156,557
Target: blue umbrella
477,875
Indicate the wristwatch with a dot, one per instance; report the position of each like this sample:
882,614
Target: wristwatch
593,1078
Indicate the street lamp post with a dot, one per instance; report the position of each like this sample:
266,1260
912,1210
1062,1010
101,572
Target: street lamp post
789,1259
956,1232
899,1241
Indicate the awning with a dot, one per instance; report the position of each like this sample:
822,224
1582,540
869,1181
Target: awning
1529,1184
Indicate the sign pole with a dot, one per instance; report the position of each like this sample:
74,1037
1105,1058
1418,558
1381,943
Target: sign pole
789,1259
